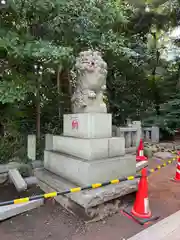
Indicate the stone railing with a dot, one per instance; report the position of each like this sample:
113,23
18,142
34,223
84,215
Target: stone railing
134,132
130,135
150,134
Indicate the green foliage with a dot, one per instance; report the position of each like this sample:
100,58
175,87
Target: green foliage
12,145
37,38
168,120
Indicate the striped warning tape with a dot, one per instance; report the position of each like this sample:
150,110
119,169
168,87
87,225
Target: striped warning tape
72,190
78,189
158,167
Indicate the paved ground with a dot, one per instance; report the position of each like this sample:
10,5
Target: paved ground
53,223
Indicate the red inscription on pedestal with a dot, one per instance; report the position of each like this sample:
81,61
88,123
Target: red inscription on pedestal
75,124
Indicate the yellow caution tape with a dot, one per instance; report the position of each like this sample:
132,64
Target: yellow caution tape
78,189
50,195
73,190
96,185
130,178
115,181
21,200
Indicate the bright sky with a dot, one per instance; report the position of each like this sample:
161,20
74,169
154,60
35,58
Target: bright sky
175,34
172,52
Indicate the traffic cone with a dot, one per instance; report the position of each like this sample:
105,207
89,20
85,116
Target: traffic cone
178,153
140,152
141,212
177,176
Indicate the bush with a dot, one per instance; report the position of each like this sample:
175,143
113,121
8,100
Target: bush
12,147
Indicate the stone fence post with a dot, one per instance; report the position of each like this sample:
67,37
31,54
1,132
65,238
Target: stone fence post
155,134
137,124
31,147
49,142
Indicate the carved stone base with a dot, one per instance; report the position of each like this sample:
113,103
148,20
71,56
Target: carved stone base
90,205
84,172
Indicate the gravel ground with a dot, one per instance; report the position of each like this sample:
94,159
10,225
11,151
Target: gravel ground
52,222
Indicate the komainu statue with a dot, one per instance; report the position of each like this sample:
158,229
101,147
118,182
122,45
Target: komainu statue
90,83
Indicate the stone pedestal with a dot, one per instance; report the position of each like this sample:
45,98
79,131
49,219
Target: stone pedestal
88,125
87,153
89,149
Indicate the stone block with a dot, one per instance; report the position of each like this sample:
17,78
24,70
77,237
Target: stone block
17,180
16,209
37,163
148,152
114,130
93,149
134,138
131,150
88,125
137,125
30,181
87,172
166,229
87,198
116,146
128,139
89,149
4,169
48,142
163,155
155,134
31,147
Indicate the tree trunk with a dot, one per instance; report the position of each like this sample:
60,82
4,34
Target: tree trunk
59,89
38,109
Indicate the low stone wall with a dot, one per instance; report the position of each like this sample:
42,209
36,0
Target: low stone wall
134,132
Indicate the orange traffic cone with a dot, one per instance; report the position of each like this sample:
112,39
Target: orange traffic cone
177,176
141,212
140,152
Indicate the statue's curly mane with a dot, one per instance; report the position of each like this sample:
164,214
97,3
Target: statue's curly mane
90,58
90,78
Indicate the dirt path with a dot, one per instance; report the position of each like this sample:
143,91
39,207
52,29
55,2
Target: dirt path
52,222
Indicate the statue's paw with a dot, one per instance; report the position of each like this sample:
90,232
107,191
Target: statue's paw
92,94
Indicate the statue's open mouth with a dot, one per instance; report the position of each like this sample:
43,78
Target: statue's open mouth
92,64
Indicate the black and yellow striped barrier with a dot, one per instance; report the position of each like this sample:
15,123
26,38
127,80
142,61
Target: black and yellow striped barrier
158,167
78,189
72,190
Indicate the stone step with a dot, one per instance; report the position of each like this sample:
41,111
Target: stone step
84,172
166,229
16,209
89,149
80,202
131,150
